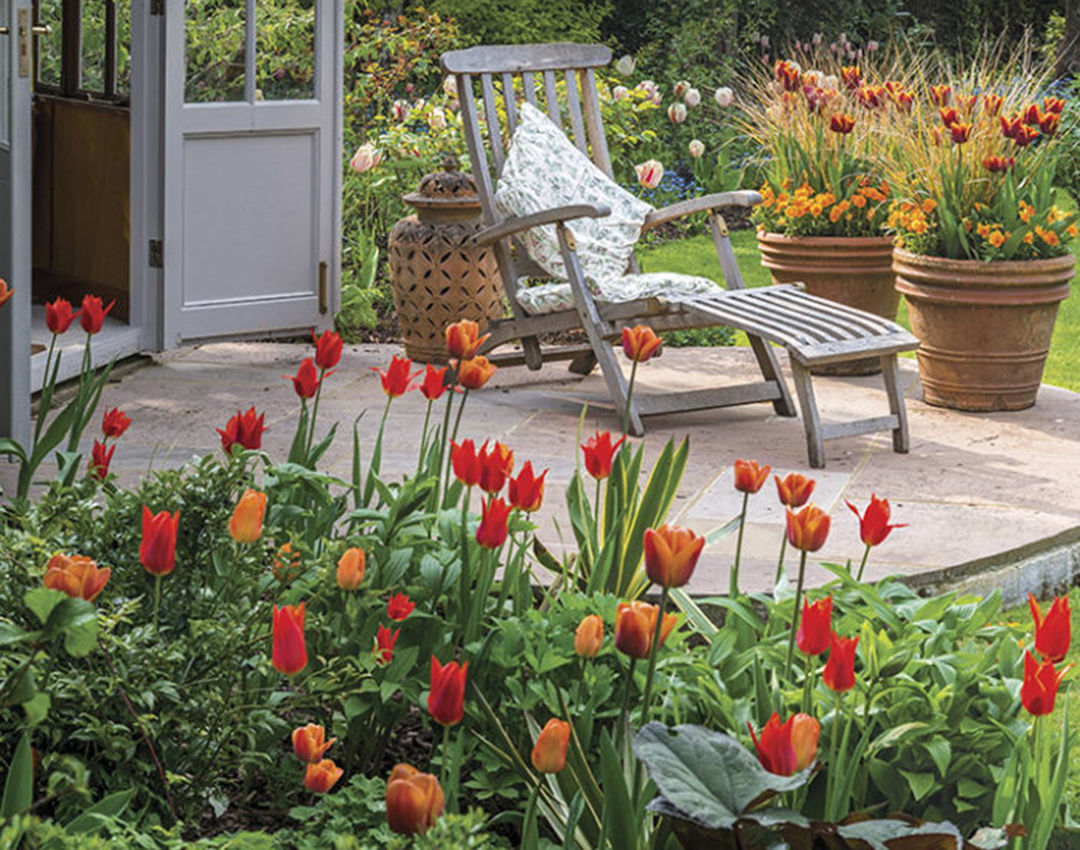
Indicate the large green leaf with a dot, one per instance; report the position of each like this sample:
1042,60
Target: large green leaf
19,785
886,834
707,775
95,817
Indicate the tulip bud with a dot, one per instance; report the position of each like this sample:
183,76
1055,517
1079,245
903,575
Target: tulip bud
549,752
246,523
157,553
635,627
749,477
473,374
696,148
367,156
350,568
839,672
446,699
649,173
589,636
414,800
290,652
724,97
692,98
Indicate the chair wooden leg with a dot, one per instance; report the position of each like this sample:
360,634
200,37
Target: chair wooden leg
815,441
890,370
530,346
770,369
583,364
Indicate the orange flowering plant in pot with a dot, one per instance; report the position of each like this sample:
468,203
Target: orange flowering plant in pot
825,197
981,245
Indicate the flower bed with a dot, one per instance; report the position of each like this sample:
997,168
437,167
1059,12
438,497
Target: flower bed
249,643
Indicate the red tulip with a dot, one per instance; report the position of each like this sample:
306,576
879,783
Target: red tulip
496,465
775,750
5,293
290,652
309,743
949,115
1041,683
306,379
473,374
815,627
998,164
58,315
641,343
384,644
327,349
466,462
115,423
399,607
599,453
158,550
749,476
434,384
414,800
940,94
245,429
874,524
841,123
491,533
92,313
960,132
839,673
77,576
446,701
807,529
1054,634
1025,135
795,489
397,379
527,490
549,752
322,776
635,628
671,554
463,339
100,458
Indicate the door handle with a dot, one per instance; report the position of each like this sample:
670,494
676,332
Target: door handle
41,29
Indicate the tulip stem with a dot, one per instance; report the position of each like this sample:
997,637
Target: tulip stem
314,413
423,441
780,563
443,435
862,566
454,433
653,655
808,686
444,773
629,400
733,592
463,590
834,746
157,603
625,711
795,615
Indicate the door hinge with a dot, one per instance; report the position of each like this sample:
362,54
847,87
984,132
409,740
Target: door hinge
156,254
324,305
157,7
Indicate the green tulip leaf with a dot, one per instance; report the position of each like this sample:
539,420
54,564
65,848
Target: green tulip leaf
889,834
708,776
19,784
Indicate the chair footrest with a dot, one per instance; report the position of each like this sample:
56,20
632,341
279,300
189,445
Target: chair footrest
547,354
705,399
836,430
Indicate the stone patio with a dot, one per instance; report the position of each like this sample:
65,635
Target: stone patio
979,491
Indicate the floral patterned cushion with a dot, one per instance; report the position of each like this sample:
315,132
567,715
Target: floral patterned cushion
543,169
552,297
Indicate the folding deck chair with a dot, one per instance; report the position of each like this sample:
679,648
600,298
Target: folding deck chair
500,80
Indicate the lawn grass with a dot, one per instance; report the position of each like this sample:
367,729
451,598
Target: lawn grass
696,256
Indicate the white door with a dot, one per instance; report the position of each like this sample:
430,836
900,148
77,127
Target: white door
15,176
252,166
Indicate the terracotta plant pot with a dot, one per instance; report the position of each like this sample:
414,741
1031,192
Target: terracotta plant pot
852,270
984,328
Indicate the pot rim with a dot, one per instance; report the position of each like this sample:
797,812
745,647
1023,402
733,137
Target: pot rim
1064,262
869,241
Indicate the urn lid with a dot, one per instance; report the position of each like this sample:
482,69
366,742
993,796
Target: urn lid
446,189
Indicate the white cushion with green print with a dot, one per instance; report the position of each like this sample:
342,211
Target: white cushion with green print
544,170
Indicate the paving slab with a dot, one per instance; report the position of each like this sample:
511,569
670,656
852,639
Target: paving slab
974,488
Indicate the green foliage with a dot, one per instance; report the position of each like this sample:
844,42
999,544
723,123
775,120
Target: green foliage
527,21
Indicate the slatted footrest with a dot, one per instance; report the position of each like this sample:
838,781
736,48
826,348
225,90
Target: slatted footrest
815,330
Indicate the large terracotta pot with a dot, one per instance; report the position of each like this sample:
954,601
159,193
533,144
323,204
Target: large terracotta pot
853,270
984,328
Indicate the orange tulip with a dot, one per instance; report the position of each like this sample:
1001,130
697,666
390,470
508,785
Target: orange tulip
549,752
247,518
77,576
635,626
805,731
794,490
463,339
671,554
1041,683
309,743
940,94
290,653
473,374
157,552
6,292
641,343
589,636
414,800
749,476
446,700
322,776
839,673
1053,634
807,529
350,568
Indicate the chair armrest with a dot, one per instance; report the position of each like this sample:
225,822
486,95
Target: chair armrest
526,222
706,203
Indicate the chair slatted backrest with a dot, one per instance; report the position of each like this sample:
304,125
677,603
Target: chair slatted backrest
492,76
